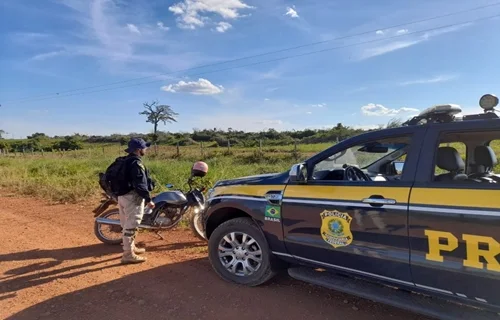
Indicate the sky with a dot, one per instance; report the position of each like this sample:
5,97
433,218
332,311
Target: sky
87,66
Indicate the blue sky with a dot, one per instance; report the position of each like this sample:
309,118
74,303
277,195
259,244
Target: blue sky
53,46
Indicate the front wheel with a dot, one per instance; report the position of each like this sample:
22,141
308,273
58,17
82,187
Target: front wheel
109,234
196,226
239,253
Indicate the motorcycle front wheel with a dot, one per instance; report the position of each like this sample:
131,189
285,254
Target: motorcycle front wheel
109,234
196,226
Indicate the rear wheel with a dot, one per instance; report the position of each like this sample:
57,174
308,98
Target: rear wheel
239,253
109,234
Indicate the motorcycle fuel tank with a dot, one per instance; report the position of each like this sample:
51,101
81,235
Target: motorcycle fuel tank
171,197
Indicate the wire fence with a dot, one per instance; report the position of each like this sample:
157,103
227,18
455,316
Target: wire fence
201,150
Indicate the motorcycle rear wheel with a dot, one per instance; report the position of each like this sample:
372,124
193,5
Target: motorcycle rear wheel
98,228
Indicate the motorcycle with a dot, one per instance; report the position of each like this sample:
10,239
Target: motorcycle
170,207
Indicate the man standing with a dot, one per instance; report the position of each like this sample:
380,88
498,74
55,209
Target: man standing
133,195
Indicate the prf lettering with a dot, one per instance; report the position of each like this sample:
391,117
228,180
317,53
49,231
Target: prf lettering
441,241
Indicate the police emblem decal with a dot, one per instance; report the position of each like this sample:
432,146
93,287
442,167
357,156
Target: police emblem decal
336,228
273,214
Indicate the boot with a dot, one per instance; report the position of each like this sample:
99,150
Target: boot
130,257
138,250
129,249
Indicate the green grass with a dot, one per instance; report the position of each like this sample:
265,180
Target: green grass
76,179
73,176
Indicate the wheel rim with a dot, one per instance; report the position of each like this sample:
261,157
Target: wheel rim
240,254
110,232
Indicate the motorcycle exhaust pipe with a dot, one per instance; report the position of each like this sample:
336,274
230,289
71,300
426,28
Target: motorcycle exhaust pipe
114,222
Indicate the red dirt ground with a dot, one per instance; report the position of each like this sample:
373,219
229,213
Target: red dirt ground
53,267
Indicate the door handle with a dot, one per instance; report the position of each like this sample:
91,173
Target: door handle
379,201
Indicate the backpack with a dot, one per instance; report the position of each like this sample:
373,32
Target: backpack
115,178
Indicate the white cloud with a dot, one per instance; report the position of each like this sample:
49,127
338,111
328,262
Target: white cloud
200,87
223,27
373,109
386,48
319,105
291,12
101,33
48,55
190,11
390,45
309,112
161,26
133,28
436,79
267,99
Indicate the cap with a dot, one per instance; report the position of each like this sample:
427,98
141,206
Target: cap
137,143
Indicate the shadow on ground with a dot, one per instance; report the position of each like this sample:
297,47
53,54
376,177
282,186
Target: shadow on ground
191,290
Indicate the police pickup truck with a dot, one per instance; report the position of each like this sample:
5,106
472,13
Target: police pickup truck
407,216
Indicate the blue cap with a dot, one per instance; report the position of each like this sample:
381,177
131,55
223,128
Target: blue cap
137,143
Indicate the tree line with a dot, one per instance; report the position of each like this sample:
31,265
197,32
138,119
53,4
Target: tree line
157,114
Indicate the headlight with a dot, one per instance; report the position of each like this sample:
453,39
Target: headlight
199,209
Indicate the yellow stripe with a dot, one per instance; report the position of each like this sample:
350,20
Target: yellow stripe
456,197
420,196
246,190
346,193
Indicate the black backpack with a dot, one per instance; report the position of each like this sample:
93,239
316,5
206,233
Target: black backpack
115,177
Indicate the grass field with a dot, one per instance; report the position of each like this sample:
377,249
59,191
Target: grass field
73,176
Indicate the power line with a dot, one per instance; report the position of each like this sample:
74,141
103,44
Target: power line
259,55
282,58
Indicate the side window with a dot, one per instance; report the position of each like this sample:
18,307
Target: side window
460,147
495,148
378,160
468,157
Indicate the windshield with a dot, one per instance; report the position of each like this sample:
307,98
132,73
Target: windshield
361,156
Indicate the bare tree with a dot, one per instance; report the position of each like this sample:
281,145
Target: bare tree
2,132
157,113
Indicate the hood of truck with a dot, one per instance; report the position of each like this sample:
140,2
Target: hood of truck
261,179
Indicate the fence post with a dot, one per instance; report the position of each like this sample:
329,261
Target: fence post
42,153
178,150
295,145
260,145
228,145
202,150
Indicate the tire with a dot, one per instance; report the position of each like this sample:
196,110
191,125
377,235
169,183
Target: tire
102,237
196,226
267,269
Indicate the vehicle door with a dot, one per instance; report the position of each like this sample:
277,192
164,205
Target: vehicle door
357,226
454,223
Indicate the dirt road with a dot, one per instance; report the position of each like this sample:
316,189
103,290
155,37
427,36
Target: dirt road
52,267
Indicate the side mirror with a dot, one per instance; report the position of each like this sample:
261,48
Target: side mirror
298,173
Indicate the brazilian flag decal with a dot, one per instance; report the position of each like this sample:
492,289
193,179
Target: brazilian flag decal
273,213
